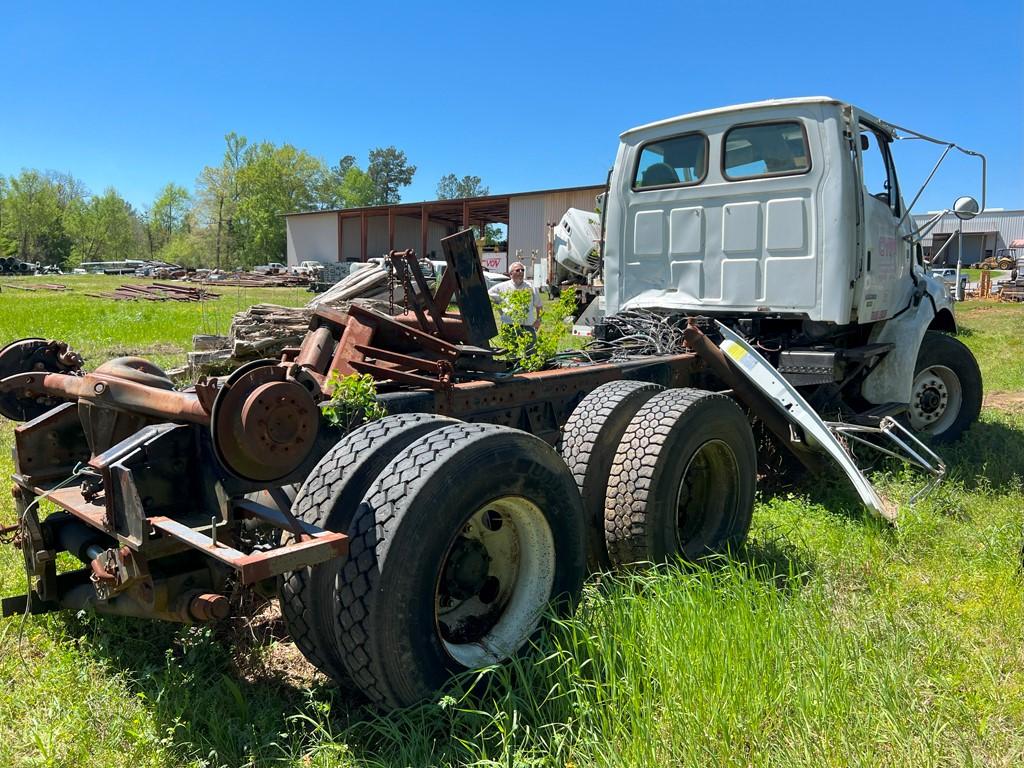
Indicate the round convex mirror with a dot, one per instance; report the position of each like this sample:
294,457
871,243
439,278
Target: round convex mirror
966,208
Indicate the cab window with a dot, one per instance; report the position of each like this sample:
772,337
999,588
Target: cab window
877,167
673,162
766,149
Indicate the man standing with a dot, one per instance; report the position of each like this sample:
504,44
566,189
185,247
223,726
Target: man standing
517,272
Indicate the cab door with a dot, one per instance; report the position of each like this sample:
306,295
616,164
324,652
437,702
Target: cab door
885,251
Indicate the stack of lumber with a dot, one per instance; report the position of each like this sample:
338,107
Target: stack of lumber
37,287
157,292
250,280
261,331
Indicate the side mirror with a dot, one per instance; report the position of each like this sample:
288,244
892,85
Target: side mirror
966,208
864,143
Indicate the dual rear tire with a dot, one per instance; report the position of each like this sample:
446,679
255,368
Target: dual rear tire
663,473
458,546
462,537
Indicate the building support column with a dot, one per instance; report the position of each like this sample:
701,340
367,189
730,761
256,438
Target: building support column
424,221
362,236
341,256
465,215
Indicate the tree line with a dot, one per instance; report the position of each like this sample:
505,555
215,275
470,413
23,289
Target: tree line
233,217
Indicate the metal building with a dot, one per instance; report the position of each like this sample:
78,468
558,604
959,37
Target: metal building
355,234
984,235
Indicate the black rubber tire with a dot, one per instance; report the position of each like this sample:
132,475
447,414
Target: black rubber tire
641,517
942,349
589,439
403,531
328,499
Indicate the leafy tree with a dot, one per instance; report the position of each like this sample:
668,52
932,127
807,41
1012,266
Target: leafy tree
390,171
273,181
4,191
168,216
184,248
451,187
216,199
357,189
34,207
102,228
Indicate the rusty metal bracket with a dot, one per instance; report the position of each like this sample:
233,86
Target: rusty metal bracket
321,546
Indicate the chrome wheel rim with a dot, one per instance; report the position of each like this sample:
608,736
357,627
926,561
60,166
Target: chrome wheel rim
935,400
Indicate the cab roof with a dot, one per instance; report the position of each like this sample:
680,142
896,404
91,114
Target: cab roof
735,108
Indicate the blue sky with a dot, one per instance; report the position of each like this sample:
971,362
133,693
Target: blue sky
526,95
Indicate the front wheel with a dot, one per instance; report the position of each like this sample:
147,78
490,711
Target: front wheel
945,397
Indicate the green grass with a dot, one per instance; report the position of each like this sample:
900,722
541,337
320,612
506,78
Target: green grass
101,328
829,640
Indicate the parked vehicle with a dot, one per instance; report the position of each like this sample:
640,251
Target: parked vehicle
305,267
754,272
273,268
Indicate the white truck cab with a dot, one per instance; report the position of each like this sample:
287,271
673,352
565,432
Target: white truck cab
785,218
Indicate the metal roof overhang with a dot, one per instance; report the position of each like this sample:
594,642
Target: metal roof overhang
465,211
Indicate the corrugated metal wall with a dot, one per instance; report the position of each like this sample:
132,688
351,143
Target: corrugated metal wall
526,230
1009,225
529,216
312,238
407,235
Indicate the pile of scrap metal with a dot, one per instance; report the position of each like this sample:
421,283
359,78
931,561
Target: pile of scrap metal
264,330
1013,289
248,279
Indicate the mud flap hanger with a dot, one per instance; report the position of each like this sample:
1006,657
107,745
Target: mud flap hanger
835,438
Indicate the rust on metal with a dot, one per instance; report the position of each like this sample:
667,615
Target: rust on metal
316,349
113,392
319,548
264,424
209,607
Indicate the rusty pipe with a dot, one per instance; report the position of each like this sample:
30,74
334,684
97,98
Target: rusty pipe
316,349
762,406
208,606
112,392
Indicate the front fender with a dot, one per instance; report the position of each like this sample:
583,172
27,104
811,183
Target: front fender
891,381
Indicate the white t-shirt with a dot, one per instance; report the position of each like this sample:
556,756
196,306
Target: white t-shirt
509,285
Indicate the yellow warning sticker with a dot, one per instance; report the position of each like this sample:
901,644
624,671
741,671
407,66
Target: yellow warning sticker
734,350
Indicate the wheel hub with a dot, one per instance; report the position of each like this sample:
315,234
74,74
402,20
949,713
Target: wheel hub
935,399
931,398
466,571
494,581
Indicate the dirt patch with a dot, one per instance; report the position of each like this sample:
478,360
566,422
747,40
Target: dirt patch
1004,401
265,653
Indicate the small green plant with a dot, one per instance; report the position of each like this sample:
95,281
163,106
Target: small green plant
353,401
520,347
